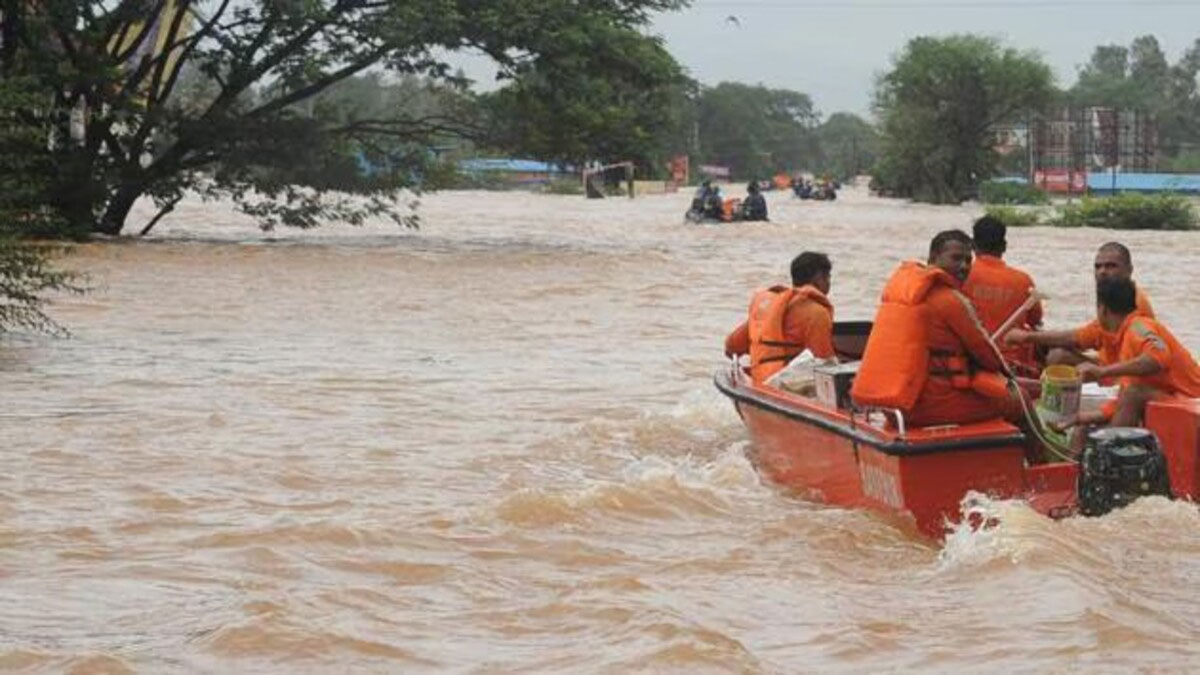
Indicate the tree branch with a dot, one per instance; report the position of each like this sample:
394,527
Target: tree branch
170,206
320,84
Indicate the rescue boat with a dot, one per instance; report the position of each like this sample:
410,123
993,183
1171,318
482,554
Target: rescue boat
822,448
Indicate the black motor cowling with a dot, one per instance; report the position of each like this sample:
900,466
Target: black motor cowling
1119,465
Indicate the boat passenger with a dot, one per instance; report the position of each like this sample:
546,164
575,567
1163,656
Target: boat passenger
1113,261
755,206
998,289
1150,363
783,321
714,208
928,354
700,199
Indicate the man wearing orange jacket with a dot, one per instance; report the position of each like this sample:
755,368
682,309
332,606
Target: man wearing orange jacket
1113,261
783,321
928,354
1150,362
998,290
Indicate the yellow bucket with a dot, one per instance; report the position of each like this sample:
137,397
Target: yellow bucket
1061,387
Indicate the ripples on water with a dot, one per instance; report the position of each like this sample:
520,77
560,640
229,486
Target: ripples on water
493,444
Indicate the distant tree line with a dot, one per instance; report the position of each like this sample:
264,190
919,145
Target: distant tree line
938,106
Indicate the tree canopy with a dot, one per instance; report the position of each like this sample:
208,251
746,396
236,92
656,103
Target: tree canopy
26,272
609,95
849,145
1138,77
263,63
755,130
937,109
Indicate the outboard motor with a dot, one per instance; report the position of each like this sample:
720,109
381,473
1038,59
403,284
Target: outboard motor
1119,465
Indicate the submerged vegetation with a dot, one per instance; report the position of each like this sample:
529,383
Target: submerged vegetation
996,192
1127,211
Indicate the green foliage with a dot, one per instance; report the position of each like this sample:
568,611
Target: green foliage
1129,211
998,192
27,274
1015,217
605,93
754,130
1138,77
1184,162
257,114
848,145
938,107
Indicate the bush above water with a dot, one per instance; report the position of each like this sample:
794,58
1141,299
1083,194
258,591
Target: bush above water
1129,211
1012,216
999,192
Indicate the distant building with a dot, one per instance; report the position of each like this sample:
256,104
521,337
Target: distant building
516,171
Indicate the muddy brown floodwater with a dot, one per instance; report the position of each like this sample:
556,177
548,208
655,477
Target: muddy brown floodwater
493,444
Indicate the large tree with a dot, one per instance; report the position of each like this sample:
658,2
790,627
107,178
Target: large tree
849,145
756,130
98,62
609,95
937,108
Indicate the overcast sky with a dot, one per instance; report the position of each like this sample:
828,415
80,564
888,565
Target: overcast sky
832,49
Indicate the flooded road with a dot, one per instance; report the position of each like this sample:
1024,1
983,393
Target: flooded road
493,444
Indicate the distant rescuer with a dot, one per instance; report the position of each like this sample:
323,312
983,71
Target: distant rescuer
1150,363
928,354
1113,261
755,206
997,289
783,321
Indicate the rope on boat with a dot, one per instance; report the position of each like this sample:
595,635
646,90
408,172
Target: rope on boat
1035,424
1061,451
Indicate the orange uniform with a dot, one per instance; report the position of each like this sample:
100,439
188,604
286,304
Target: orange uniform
1107,345
1143,336
782,322
997,290
925,347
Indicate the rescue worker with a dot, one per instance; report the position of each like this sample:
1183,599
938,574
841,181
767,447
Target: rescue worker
783,321
998,290
755,206
700,199
1113,261
928,354
1150,363
714,207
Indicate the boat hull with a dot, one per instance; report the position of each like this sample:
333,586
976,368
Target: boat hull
919,477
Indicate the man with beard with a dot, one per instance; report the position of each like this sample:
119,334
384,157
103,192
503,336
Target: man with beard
928,354
1070,347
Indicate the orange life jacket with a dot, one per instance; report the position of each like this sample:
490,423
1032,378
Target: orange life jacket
729,207
897,360
770,350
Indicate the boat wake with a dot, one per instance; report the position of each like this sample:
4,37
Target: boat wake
1007,531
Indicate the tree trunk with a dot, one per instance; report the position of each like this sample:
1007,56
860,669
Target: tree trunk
113,220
